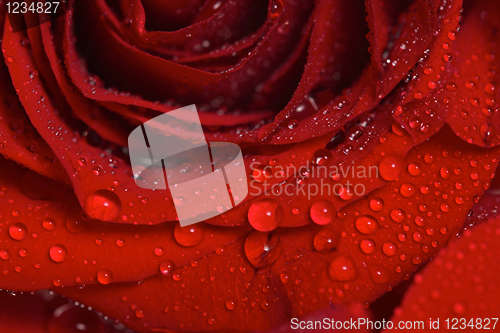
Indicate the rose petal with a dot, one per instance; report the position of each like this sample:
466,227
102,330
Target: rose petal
307,268
461,283
471,94
45,241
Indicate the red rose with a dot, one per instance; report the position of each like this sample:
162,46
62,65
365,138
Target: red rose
369,131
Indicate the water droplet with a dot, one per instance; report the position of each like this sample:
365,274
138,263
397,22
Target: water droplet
4,254
58,253
275,9
407,190
342,268
414,169
397,215
18,231
49,224
367,246
190,235
103,205
445,173
389,249
490,89
366,224
97,170
322,157
158,251
418,95
139,313
230,305
179,200
265,215
326,239
346,193
390,167
167,267
322,212
376,204
262,248
104,276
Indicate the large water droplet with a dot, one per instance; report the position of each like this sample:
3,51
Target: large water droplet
230,305
390,167
322,157
376,204
49,224
407,190
265,215
190,235
18,231
4,254
389,249
103,205
322,212
167,267
104,276
58,253
414,169
397,215
367,246
366,224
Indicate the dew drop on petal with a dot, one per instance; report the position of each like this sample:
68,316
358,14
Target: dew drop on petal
4,254
366,224
389,249
376,204
49,224
326,239
322,157
397,215
190,235
104,276
414,169
367,246
58,253
265,215
158,251
322,212
167,267
407,190
390,167
103,205
18,231
341,268
230,305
